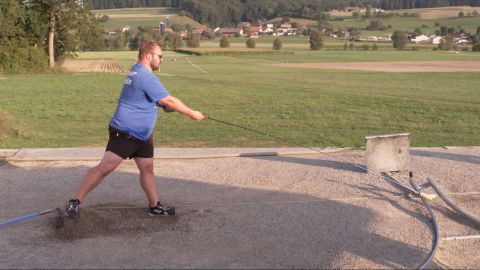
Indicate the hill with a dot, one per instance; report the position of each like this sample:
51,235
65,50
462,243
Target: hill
134,17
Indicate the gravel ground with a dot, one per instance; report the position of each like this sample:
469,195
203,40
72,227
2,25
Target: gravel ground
298,211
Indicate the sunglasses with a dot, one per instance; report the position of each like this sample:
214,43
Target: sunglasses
160,56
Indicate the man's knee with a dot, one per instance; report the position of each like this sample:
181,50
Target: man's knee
105,168
145,165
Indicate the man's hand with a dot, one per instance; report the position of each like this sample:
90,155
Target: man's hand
196,115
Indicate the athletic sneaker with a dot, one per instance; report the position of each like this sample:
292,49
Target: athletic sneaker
72,210
161,210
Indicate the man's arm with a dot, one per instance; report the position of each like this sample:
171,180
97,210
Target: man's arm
172,103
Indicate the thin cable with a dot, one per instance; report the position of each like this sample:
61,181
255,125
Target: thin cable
389,178
196,66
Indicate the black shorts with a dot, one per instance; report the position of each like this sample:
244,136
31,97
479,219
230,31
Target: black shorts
127,146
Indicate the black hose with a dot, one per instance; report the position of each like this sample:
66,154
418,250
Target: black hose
449,202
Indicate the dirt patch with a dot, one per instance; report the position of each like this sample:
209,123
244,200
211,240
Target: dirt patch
10,125
6,122
102,66
403,66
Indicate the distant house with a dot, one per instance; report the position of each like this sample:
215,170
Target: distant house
280,32
244,24
183,34
200,28
351,9
461,41
267,29
230,31
112,31
421,39
255,29
462,38
344,32
437,40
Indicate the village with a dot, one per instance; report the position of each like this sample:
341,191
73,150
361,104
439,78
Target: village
247,29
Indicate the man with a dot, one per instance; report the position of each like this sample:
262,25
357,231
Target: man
131,130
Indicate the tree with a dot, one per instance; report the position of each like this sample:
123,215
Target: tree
447,43
277,44
399,39
176,27
224,42
417,32
21,39
65,25
193,40
376,25
323,20
461,14
208,34
68,23
443,30
246,30
174,41
316,41
250,43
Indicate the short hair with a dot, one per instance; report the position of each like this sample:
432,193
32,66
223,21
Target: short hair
147,47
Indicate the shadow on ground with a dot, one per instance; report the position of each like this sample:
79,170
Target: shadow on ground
216,226
333,164
447,156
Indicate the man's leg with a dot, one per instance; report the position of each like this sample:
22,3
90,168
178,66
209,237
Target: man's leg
147,179
94,176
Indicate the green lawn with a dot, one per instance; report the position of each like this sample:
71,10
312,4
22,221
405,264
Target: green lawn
129,11
427,27
313,107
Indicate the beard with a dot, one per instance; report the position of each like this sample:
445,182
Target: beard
154,67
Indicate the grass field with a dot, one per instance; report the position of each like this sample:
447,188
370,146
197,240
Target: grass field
314,107
119,18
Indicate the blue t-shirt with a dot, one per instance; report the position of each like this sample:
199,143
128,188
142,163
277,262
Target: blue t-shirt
137,108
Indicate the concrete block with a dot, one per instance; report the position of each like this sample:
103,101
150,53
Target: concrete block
387,153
